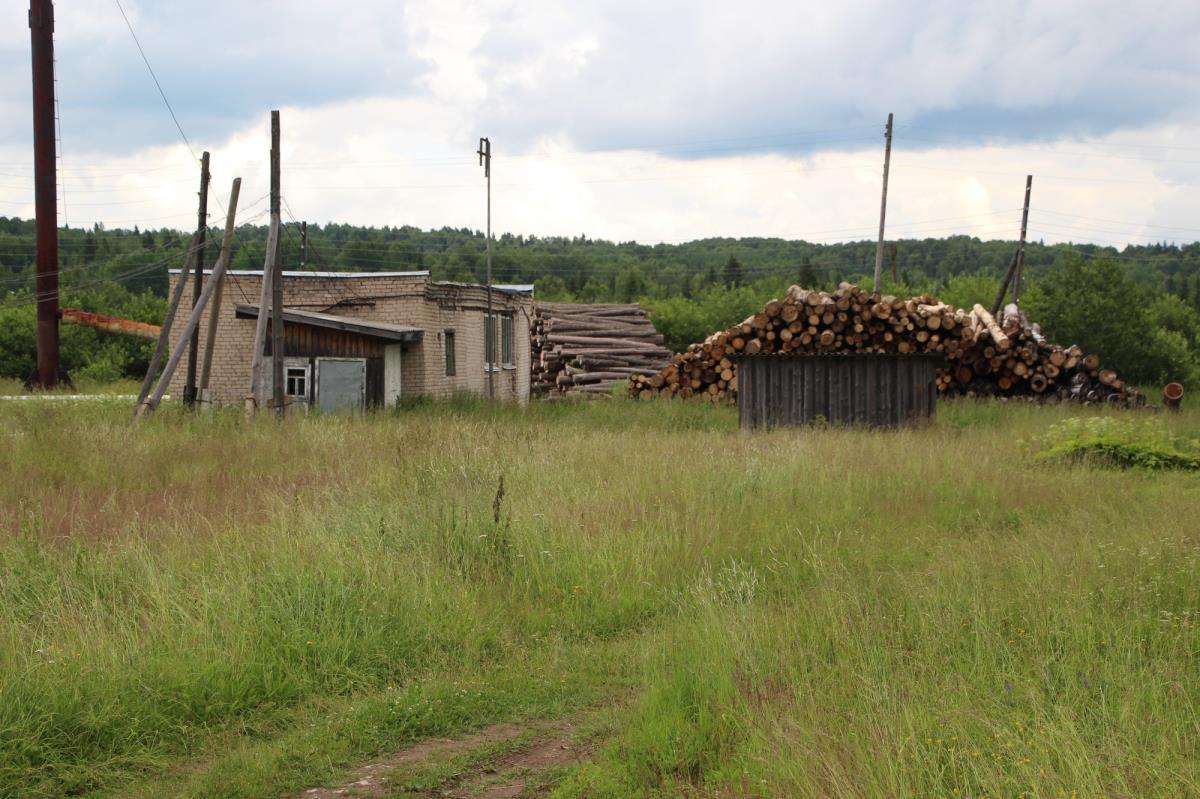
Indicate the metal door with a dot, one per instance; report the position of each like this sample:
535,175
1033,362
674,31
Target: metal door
341,384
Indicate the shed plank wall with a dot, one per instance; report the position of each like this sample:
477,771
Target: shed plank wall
876,390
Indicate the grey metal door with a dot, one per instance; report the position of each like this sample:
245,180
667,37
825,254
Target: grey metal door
341,384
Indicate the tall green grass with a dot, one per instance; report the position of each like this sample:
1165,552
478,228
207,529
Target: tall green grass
195,606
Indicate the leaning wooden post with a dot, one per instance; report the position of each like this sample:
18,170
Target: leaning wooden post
1004,281
1020,273
210,338
165,334
151,403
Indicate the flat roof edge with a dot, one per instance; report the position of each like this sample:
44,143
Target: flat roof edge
294,273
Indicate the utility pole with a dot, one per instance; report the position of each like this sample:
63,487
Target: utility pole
485,160
214,313
277,276
1020,273
41,35
303,244
189,389
214,281
887,161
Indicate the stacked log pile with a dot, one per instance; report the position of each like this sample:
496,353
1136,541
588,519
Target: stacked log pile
588,349
984,356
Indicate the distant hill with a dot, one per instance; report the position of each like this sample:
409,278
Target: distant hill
583,268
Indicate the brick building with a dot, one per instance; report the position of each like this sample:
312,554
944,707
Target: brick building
356,339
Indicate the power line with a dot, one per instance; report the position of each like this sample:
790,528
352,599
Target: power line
161,93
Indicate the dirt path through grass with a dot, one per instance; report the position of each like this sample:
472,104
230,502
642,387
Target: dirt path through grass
503,761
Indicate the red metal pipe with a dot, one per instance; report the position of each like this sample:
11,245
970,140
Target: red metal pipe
110,324
41,33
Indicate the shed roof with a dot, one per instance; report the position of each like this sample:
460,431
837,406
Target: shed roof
507,288
292,273
364,327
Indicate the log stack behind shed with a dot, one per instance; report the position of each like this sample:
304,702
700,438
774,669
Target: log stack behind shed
589,349
985,356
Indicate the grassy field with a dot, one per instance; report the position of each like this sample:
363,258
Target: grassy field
10,386
196,607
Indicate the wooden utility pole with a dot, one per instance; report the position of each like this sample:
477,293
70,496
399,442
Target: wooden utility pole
223,259
303,244
257,396
45,189
887,162
151,402
164,334
1004,282
485,160
1020,272
189,388
276,276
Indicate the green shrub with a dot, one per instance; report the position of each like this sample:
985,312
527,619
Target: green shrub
1118,442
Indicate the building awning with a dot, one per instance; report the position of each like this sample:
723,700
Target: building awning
365,327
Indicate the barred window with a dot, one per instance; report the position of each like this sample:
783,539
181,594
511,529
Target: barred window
448,337
506,340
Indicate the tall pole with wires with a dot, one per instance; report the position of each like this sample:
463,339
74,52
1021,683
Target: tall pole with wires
1020,270
887,161
189,388
276,275
489,336
41,33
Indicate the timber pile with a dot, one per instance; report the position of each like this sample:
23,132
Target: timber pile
984,356
588,349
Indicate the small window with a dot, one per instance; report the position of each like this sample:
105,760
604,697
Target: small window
297,381
506,341
489,342
450,355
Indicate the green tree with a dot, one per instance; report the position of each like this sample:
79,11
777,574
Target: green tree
630,285
1095,303
733,272
806,277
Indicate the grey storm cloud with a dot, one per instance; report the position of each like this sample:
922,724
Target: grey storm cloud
680,78
671,73
220,64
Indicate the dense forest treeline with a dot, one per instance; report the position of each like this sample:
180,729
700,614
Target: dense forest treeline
1138,306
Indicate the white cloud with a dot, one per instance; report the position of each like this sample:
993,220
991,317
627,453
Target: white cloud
755,119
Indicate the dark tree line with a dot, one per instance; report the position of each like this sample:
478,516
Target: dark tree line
691,288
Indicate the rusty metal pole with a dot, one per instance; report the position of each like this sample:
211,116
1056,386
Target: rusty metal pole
189,387
41,34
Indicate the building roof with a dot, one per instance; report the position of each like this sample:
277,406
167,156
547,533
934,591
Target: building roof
364,327
508,288
306,273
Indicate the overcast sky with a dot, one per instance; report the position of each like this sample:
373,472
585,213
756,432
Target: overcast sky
655,121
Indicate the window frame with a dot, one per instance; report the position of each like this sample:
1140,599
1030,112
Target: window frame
296,373
506,342
450,355
489,343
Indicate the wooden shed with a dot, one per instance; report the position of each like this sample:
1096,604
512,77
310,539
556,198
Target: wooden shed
870,389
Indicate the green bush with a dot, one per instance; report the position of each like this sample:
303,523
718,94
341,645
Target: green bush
1123,443
1096,304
